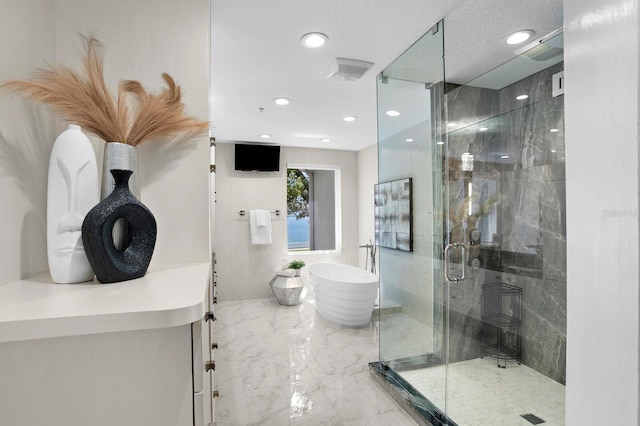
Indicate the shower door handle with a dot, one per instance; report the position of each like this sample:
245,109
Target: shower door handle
447,276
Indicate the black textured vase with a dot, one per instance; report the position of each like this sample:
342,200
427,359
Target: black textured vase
110,264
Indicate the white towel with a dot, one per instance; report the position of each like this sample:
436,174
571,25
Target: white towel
262,217
260,226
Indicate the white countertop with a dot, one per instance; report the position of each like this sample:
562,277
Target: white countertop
166,296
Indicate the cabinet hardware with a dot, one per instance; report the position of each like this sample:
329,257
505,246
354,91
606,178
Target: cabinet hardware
208,316
216,394
214,346
211,365
215,300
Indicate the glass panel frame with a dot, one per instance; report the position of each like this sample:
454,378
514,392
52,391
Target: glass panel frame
411,145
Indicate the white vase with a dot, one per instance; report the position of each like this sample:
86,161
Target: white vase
73,190
119,156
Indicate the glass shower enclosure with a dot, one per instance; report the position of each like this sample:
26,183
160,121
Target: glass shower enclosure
470,227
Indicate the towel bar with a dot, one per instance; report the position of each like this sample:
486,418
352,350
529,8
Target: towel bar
244,212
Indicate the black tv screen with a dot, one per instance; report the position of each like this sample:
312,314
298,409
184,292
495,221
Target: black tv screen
260,158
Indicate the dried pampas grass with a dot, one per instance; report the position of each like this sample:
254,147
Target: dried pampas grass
159,115
84,99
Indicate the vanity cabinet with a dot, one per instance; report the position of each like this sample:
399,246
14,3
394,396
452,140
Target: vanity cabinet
129,353
203,358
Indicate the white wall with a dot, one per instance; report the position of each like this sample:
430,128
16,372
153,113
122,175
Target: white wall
244,270
367,178
601,120
26,136
143,39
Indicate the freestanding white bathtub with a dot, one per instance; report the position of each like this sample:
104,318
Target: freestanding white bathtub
344,294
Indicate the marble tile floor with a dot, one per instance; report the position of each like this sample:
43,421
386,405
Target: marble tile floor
481,394
286,365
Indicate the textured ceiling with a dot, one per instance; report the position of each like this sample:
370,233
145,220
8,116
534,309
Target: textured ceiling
257,56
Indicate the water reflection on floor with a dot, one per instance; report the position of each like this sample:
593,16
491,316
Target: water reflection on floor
280,365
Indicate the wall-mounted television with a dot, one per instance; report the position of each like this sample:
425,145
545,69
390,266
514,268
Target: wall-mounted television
257,158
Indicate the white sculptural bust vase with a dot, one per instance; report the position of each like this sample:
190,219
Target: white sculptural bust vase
73,190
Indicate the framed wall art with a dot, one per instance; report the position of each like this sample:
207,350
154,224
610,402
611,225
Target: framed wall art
393,212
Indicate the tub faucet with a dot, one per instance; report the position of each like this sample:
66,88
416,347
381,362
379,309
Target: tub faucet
374,248
371,252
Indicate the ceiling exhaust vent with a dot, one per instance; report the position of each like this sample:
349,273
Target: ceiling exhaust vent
348,69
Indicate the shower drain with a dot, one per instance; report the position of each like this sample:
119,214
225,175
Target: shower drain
533,419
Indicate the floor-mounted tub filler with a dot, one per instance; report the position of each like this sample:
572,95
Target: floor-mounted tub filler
344,294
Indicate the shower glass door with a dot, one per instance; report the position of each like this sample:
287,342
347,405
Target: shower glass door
505,194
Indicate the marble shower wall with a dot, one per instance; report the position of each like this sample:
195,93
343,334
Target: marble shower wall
515,198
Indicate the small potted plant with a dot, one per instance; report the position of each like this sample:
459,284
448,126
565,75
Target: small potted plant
296,264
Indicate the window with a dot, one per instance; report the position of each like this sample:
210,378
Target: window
313,208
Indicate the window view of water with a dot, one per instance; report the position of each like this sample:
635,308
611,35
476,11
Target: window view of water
297,233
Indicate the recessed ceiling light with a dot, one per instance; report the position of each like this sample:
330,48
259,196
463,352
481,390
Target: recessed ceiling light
325,140
392,113
265,136
554,130
408,140
313,40
281,101
451,124
350,118
519,36
504,156
522,97
440,143
553,150
483,129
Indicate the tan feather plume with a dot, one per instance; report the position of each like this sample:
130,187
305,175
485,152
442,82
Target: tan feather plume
83,98
161,114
